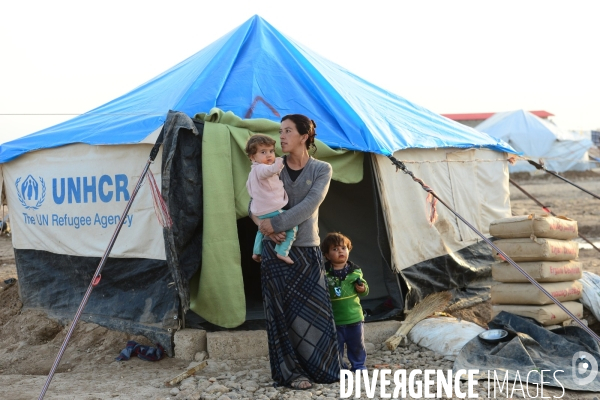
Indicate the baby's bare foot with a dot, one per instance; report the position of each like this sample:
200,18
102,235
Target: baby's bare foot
287,259
256,257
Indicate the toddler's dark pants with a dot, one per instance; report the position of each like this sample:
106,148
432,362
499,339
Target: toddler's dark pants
353,336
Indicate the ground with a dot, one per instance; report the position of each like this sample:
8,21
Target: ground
29,341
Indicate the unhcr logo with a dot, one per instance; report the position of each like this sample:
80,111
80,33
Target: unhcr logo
31,193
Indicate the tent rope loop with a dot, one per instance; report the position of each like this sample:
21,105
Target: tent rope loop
500,253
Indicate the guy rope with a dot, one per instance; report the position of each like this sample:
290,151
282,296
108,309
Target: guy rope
431,193
540,166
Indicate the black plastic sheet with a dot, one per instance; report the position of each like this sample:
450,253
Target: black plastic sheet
534,348
465,273
133,295
182,191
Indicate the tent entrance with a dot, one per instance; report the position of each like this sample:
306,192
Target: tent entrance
354,210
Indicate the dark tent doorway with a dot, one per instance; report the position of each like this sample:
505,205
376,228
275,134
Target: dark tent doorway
354,210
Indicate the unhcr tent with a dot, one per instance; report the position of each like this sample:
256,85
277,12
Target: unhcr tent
67,185
539,139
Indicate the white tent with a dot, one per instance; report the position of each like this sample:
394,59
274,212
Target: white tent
539,139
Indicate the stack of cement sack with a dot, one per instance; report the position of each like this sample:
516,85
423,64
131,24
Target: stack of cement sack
541,245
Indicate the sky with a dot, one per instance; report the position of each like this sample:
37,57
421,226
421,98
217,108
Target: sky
63,57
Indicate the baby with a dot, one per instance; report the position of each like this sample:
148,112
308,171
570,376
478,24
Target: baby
267,192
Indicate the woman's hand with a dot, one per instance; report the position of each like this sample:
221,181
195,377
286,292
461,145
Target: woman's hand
265,227
278,237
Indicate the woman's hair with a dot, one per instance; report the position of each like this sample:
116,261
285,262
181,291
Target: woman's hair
335,239
305,126
256,140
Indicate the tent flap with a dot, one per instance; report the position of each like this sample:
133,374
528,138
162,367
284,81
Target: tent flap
182,190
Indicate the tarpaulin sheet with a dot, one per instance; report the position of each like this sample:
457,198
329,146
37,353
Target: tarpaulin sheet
256,71
133,296
534,348
182,189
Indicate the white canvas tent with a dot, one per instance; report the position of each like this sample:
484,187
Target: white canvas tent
539,139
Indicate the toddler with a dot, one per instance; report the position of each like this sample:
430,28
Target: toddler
346,284
267,192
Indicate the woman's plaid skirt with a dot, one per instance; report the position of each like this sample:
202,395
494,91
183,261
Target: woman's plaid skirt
300,325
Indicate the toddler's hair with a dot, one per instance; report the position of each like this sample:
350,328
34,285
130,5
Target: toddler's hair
256,140
335,239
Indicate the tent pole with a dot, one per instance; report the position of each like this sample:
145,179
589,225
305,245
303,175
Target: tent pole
545,208
96,278
400,165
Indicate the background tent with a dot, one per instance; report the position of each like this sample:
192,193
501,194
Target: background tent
66,188
538,139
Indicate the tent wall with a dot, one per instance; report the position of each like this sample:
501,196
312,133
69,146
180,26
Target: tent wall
435,257
1,185
182,189
474,182
565,155
133,296
68,201
64,204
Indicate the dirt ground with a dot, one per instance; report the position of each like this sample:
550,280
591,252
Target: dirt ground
29,341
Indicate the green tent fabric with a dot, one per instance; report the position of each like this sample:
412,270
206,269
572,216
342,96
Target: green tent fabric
217,294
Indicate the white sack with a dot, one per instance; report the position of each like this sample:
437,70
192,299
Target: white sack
591,293
446,336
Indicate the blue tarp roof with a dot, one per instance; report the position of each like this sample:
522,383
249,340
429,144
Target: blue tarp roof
255,66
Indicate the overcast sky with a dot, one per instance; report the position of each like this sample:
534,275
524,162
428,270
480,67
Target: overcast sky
67,57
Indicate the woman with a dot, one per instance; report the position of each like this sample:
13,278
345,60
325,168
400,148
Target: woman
300,327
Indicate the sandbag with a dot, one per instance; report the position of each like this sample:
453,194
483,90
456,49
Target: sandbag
455,334
538,249
538,225
528,294
541,271
550,314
